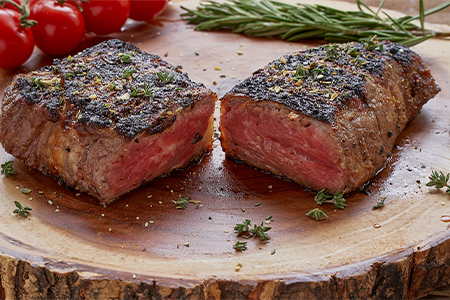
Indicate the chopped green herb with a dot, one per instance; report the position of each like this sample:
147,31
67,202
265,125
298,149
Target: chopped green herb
74,73
258,230
126,57
36,82
243,227
317,214
127,72
257,204
164,77
300,73
372,44
145,91
22,210
273,251
379,204
7,168
241,246
331,53
269,217
181,202
25,191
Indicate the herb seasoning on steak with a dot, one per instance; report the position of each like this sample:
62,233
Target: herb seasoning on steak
107,120
326,117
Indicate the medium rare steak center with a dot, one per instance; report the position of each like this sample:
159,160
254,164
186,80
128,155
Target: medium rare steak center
107,119
326,117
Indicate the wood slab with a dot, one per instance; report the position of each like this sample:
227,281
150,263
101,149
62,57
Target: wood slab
143,247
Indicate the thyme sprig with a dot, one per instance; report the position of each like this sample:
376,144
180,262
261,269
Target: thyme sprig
181,202
165,77
324,196
7,168
22,210
145,91
241,246
317,214
126,57
257,230
439,180
267,18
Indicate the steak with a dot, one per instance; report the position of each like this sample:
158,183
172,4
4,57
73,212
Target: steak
107,120
326,117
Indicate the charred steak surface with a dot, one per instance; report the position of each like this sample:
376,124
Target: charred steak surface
326,117
107,119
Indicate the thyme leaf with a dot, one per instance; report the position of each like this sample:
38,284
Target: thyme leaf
317,214
127,57
127,72
164,77
241,246
37,83
145,91
257,230
181,202
379,204
22,210
7,168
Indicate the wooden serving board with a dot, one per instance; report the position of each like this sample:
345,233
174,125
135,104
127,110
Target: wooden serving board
143,247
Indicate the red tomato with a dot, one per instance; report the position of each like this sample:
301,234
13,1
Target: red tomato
16,42
146,10
60,28
105,16
10,6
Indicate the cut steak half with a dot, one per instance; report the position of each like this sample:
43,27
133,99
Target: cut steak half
325,117
107,119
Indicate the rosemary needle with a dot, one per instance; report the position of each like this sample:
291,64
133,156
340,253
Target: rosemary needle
268,18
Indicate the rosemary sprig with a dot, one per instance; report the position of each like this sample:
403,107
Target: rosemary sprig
323,196
7,168
267,18
439,180
22,210
317,214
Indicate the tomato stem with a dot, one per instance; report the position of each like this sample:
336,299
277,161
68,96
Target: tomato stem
76,2
24,11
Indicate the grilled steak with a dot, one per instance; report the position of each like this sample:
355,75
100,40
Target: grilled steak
326,117
107,120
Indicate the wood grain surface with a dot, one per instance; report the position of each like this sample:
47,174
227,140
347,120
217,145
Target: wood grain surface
143,247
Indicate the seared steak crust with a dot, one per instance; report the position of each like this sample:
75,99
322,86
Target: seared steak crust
326,117
90,119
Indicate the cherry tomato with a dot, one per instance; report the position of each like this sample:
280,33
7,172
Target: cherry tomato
60,28
146,10
10,6
105,16
16,42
